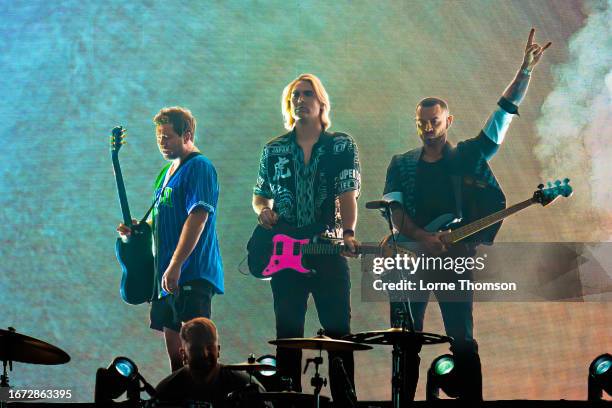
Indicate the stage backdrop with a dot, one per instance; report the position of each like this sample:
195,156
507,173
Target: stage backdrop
71,70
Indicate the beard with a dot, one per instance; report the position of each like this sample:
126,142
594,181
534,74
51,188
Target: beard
202,364
433,140
200,360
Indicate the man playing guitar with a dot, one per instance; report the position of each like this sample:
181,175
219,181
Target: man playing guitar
188,268
435,179
307,176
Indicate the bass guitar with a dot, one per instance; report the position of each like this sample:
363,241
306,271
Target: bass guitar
447,222
271,251
134,253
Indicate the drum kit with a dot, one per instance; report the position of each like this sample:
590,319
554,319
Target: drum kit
400,338
16,347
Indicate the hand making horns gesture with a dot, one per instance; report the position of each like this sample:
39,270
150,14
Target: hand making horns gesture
533,52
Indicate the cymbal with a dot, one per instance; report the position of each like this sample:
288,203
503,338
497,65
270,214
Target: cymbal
250,366
18,347
397,335
319,342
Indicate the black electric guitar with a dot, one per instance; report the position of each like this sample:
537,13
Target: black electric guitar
271,251
135,254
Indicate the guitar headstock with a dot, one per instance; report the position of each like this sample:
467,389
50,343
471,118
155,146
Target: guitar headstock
117,137
552,191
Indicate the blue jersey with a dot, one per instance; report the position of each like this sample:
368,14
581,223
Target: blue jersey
194,185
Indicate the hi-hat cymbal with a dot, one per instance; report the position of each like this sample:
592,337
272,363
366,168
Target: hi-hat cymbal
397,335
319,342
250,366
25,349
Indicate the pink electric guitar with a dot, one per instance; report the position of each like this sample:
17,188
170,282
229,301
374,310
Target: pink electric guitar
286,247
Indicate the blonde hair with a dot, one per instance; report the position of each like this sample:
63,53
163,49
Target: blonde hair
319,91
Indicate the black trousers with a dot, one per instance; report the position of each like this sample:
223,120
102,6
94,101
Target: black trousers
458,324
330,287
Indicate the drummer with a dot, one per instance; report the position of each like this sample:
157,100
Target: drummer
202,378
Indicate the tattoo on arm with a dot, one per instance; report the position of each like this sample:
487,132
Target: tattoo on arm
516,91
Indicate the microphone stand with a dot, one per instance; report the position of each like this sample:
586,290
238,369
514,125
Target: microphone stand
407,319
407,324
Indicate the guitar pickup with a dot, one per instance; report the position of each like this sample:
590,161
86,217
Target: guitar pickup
278,249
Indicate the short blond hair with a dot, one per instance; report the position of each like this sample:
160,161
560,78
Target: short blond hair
321,94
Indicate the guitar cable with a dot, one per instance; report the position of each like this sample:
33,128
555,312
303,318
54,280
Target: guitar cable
241,264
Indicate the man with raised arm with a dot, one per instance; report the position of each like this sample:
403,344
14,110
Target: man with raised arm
437,179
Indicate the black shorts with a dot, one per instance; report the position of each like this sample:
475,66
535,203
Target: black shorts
192,300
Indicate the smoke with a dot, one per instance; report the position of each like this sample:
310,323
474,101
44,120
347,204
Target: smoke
575,127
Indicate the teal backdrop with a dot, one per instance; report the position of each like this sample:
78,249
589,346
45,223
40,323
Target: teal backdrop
71,70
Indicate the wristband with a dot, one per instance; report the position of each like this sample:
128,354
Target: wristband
508,106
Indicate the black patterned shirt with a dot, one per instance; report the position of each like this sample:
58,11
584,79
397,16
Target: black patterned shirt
308,193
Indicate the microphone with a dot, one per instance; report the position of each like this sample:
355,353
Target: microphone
338,365
377,204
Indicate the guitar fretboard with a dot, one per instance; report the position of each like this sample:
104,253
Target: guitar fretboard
330,249
474,227
123,201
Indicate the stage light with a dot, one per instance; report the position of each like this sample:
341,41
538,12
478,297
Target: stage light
121,376
270,360
267,378
600,377
442,375
125,367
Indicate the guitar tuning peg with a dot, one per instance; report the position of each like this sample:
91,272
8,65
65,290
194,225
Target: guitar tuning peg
540,186
123,142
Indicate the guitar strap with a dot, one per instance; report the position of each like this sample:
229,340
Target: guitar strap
161,191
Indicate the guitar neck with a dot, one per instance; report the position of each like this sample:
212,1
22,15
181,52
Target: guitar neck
474,227
123,201
331,249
